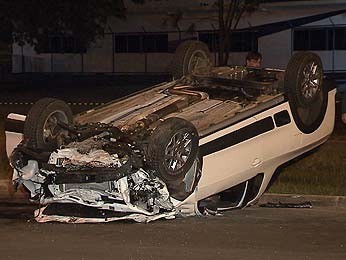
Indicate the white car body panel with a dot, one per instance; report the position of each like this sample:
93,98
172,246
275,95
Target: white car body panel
13,138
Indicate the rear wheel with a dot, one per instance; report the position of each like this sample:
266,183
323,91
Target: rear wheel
305,90
191,57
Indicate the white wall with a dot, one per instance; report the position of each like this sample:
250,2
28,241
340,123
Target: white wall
66,63
33,62
159,62
340,60
275,49
99,56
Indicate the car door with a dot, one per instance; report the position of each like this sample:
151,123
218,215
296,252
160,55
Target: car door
230,156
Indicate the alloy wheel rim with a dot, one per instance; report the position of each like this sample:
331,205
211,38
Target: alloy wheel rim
178,151
198,59
311,84
51,128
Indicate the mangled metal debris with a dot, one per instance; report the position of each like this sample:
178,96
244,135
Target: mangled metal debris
139,197
100,172
42,217
302,205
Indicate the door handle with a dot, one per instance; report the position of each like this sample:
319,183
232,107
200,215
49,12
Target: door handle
256,162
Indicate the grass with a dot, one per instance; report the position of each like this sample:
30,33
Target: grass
321,173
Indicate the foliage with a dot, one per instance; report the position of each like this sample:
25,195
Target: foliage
229,15
31,21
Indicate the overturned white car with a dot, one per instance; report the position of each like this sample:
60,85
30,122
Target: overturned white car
209,141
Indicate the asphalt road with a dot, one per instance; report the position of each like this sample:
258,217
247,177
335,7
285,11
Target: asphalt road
252,233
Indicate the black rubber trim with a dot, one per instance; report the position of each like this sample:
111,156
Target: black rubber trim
238,136
81,211
15,126
81,177
92,175
282,118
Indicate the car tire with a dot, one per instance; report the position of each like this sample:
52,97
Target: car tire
40,129
305,90
173,154
190,57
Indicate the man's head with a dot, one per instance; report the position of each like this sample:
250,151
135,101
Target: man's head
253,59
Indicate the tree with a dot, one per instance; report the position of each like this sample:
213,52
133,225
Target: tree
229,15
32,21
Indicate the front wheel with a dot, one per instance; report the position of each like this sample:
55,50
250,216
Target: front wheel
173,155
41,128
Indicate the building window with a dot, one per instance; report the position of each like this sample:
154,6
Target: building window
320,39
62,44
240,41
330,39
211,39
340,38
141,43
244,42
134,43
120,44
155,43
311,39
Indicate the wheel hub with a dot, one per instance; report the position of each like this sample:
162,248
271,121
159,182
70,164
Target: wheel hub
51,128
198,61
178,151
311,84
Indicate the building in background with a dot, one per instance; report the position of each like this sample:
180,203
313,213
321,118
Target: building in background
5,55
145,42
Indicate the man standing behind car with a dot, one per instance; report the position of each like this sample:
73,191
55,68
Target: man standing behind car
253,59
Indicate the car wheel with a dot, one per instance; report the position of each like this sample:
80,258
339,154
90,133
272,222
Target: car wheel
41,128
191,57
305,90
173,155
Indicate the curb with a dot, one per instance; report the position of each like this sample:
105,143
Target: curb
316,200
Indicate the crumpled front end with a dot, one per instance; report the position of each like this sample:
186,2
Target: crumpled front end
138,197
100,178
